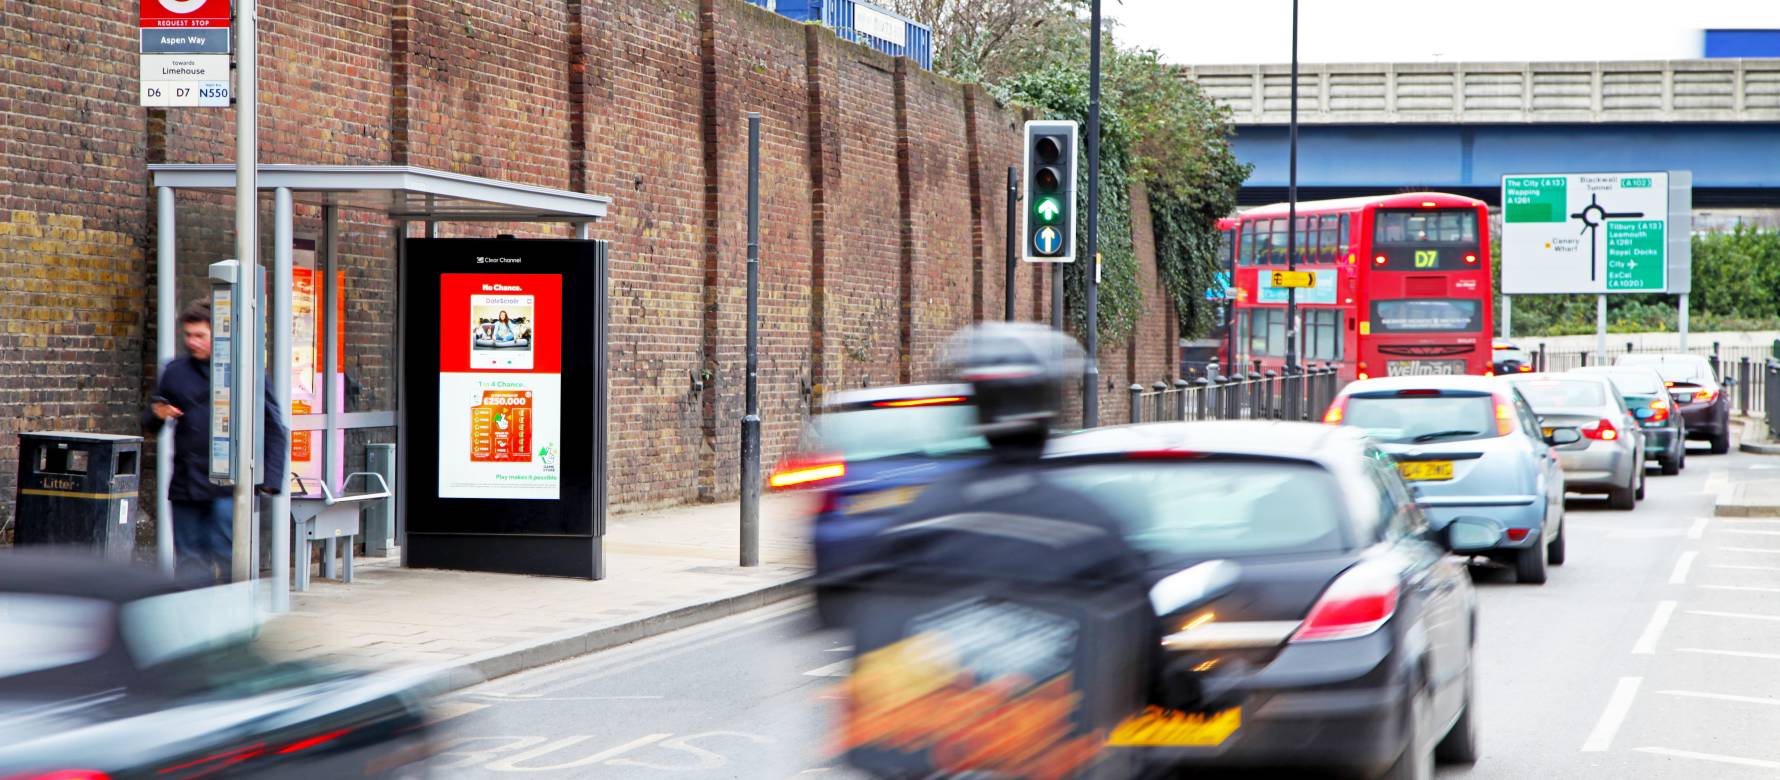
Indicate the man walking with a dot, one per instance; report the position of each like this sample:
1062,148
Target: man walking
203,512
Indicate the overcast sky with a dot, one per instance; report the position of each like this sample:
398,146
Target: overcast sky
1202,32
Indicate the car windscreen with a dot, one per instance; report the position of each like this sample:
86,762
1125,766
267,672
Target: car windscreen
870,433
1562,394
1521,355
1195,509
1422,419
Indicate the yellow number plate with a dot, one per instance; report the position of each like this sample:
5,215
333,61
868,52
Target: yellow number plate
1426,469
882,499
1157,727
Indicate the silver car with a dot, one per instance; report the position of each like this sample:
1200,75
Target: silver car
1609,457
1469,446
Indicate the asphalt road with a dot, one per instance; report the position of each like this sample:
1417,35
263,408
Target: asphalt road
1653,653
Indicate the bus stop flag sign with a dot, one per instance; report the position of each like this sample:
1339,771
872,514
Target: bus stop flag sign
1596,232
184,53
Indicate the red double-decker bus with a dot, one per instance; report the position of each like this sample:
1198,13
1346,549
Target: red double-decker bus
1402,285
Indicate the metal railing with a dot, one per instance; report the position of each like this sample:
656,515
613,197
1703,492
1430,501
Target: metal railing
1771,395
1718,355
1302,394
1740,369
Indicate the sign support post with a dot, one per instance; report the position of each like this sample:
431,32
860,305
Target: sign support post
1681,317
247,249
1507,316
1601,329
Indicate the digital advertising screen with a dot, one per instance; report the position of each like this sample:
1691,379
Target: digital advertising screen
500,386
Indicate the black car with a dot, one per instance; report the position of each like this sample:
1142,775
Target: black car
114,672
1507,358
1346,641
1705,407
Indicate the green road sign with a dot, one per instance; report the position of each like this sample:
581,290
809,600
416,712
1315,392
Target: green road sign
1534,199
1635,255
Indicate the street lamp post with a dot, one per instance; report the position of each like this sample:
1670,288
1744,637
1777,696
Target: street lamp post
1292,208
1091,369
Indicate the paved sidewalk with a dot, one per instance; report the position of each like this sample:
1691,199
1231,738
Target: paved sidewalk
664,570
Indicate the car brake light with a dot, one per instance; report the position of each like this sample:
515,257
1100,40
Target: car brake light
1471,259
1357,603
1504,416
305,744
1337,410
1517,534
65,774
1526,369
1661,408
1364,375
1602,430
1668,384
1379,260
802,472
947,400
1704,396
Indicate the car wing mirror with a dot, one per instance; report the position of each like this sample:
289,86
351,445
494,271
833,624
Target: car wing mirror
1469,535
1194,586
1562,436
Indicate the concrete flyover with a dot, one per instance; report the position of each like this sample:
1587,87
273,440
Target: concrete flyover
1457,127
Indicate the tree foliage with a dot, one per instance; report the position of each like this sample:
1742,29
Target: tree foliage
990,41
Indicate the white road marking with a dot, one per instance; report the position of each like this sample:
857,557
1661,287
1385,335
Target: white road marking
1699,528
1745,568
1618,705
1746,615
1653,631
1753,531
1731,653
1724,697
836,669
1737,760
1752,588
1763,467
1715,483
1751,549
446,710
1682,565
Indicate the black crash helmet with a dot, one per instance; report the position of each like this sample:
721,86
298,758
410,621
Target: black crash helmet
1018,372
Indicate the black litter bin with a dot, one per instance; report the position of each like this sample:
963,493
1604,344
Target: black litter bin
79,490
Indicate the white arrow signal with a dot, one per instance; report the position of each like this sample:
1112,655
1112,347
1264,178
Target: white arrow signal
1048,209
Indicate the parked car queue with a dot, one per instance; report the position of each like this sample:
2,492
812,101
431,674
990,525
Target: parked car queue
1437,472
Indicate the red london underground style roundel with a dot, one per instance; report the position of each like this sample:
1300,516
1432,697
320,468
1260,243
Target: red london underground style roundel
184,13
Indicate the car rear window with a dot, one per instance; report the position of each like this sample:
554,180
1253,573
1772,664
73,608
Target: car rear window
1418,419
1636,382
1217,509
1560,394
41,631
1672,370
866,434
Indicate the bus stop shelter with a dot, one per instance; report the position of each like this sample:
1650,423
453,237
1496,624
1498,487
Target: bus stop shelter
405,195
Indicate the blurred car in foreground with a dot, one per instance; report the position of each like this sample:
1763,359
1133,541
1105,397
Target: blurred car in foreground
1507,358
869,453
113,672
1609,458
1665,430
1346,639
1704,405
1468,446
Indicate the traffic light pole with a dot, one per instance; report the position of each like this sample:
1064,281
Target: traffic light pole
1007,287
1091,370
1292,209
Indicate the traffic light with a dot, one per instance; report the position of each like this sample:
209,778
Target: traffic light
1049,236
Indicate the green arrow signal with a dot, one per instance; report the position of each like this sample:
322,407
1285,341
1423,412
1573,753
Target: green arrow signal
1048,209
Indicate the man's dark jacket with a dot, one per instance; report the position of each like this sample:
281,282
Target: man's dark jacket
186,385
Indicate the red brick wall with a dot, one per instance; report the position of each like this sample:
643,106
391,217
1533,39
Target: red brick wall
882,193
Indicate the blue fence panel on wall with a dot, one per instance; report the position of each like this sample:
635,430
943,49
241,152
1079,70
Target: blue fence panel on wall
839,16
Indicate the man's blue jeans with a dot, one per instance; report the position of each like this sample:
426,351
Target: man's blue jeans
203,539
